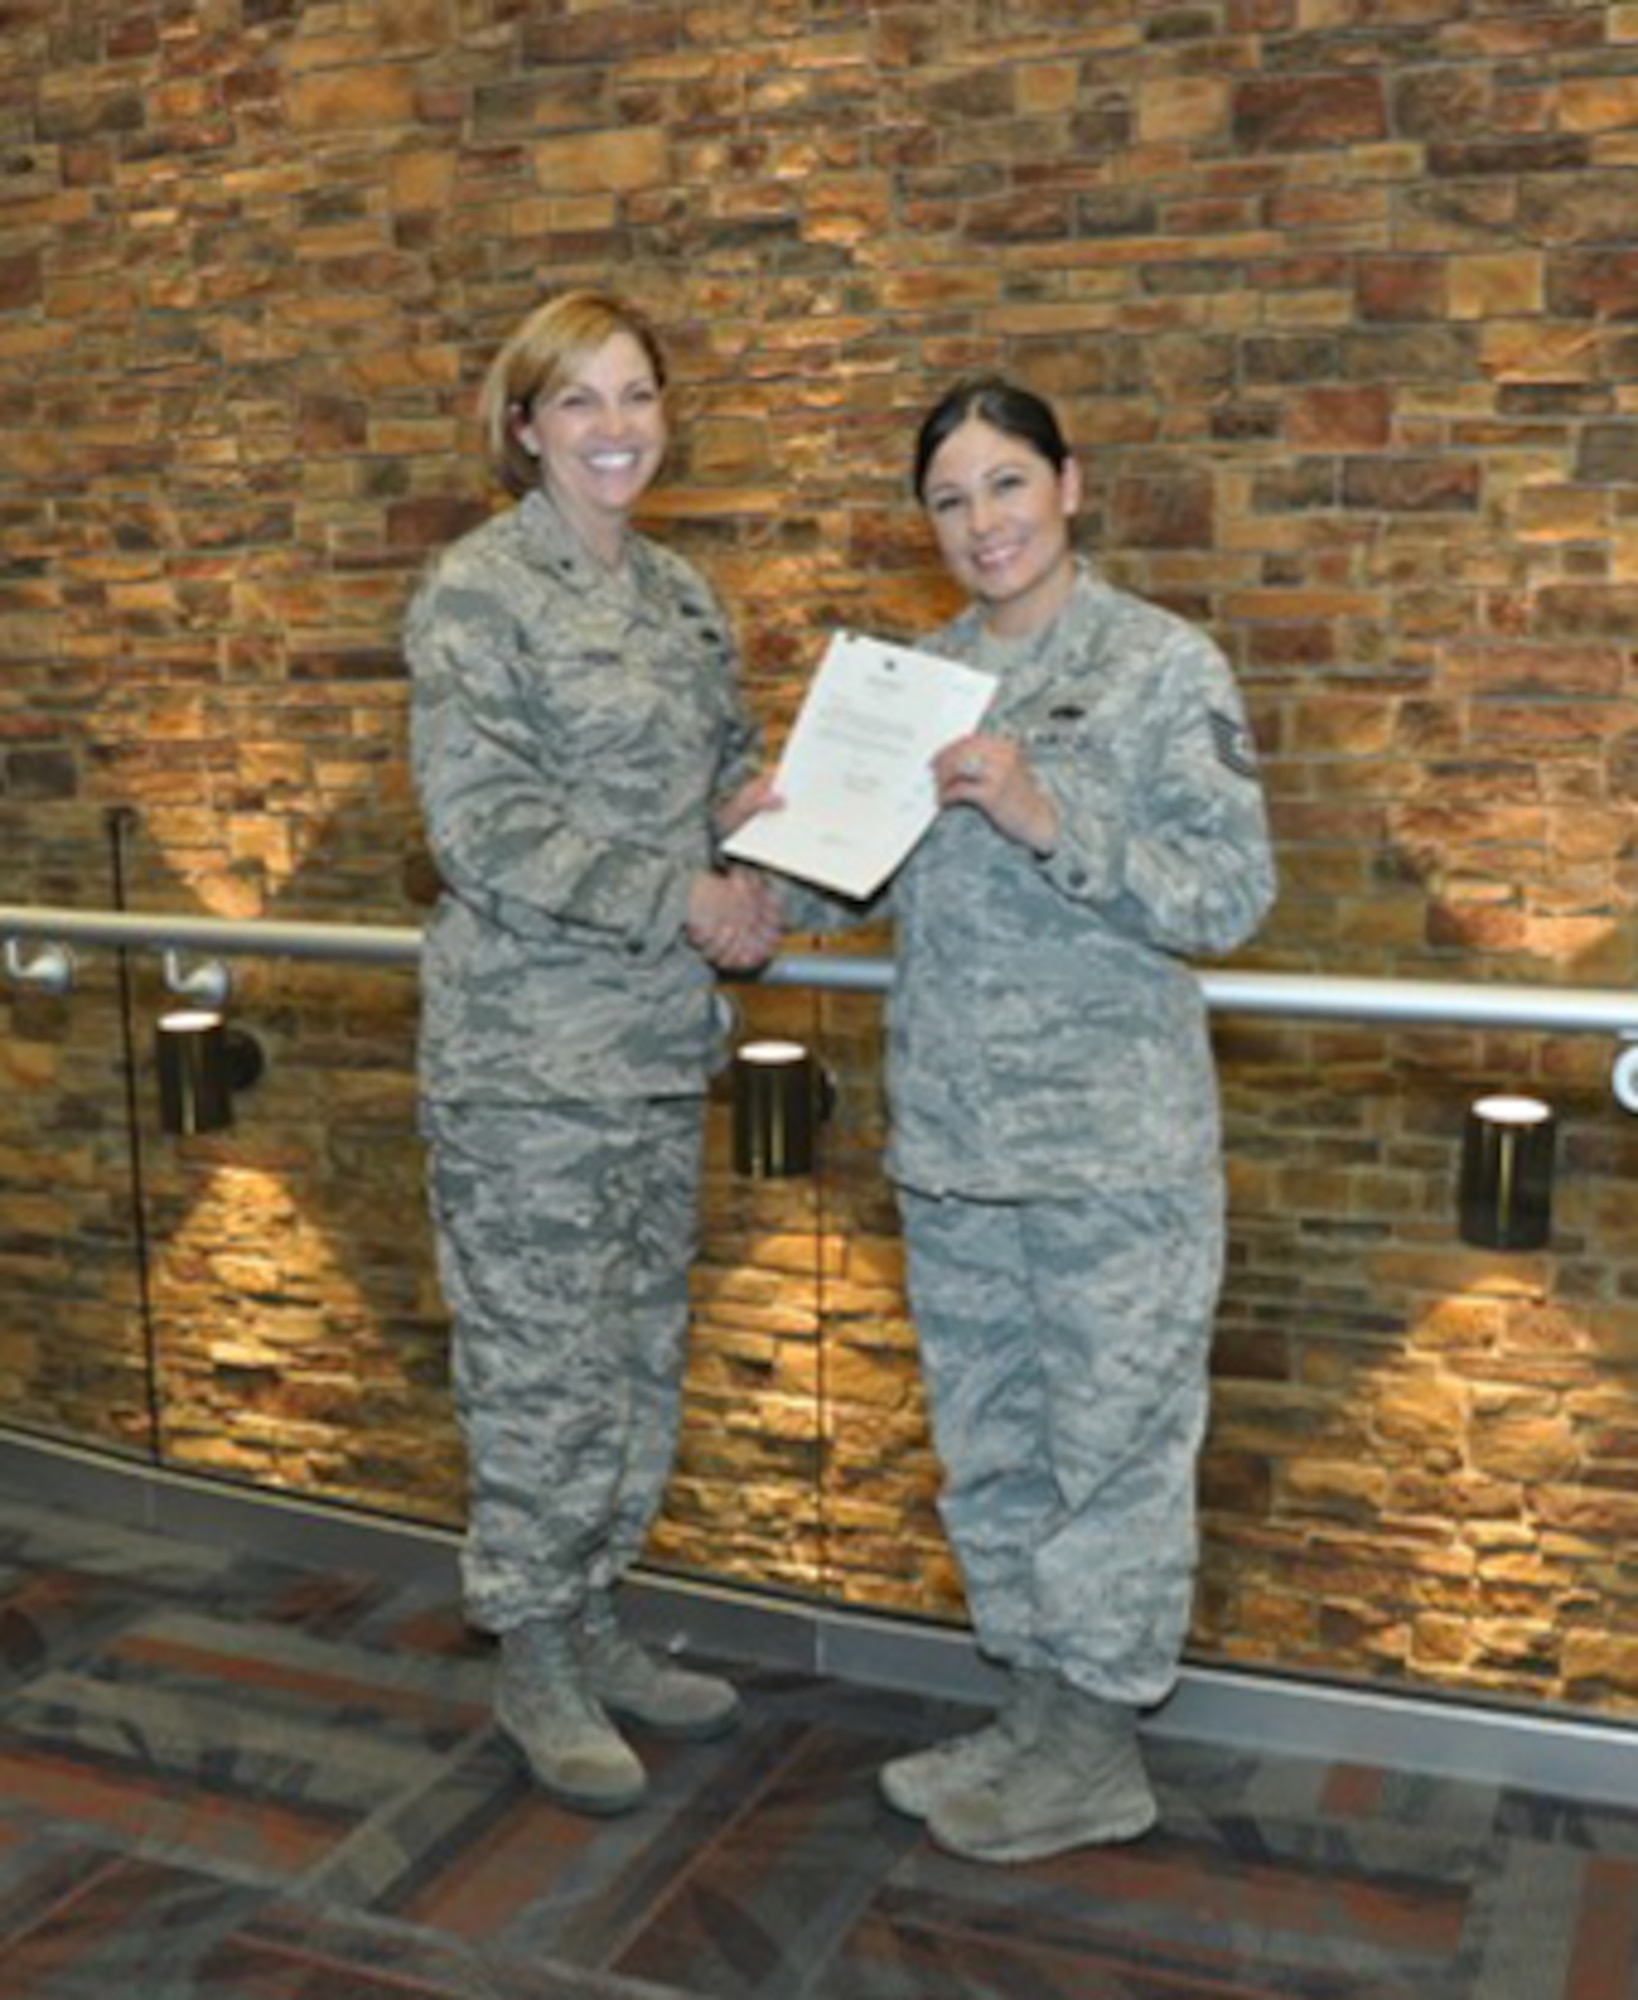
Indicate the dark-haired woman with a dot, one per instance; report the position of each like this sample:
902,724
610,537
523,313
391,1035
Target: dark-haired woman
1055,1134
579,745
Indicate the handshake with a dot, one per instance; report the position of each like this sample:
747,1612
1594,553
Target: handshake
734,919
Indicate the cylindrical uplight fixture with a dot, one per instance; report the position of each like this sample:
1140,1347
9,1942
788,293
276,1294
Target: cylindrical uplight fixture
190,1049
201,1063
1506,1195
776,1109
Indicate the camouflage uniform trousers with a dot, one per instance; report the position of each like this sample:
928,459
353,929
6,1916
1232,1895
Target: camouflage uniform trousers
1065,1347
564,1235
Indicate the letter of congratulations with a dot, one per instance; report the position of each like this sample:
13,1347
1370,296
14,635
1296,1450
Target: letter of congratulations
855,776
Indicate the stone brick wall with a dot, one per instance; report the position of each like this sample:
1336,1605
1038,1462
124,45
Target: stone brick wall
1339,298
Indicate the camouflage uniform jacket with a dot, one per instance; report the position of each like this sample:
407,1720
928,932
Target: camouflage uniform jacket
1045,1038
572,731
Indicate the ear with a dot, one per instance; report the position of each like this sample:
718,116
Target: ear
523,429
1070,487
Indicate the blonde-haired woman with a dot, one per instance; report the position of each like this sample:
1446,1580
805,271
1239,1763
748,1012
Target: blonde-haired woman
579,747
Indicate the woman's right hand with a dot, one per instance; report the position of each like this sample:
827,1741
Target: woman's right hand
734,919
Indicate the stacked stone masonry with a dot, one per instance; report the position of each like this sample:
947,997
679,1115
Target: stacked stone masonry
1340,298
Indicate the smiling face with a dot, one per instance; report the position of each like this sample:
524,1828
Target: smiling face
1001,513
599,433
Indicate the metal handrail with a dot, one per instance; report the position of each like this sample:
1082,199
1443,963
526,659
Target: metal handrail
1598,1010
220,937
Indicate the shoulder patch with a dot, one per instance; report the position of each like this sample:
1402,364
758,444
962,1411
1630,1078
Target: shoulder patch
1232,740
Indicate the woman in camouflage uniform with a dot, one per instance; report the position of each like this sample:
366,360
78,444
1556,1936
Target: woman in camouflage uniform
579,745
1055,1131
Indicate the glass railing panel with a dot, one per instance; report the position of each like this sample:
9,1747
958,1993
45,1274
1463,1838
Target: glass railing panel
1420,1460
75,1355
744,1502
880,1475
300,1340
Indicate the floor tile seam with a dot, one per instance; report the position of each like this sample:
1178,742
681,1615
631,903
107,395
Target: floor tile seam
136,1661
82,1633
166,1835
381,1819
850,1910
731,1824
345,1660
1140,1952
142,1847
1530,1918
1604,1887
406,1730
178,1784
110,1862
1381,1875
170,1725
1383,1867
176,1581
493,1967
1303,1926
297,1955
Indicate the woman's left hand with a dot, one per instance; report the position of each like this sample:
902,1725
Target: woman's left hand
754,796
992,774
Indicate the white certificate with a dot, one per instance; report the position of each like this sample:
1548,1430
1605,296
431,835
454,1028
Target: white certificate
856,773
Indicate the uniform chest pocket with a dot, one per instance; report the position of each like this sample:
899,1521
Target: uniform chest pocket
619,718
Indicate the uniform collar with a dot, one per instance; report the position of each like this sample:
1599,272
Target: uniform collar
1084,610
553,544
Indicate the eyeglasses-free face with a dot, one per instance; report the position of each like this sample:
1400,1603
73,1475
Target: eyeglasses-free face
600,435
1001,515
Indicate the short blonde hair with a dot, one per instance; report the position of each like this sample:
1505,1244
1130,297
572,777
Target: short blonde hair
554,339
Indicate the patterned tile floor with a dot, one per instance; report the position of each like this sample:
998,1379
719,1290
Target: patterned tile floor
224,1778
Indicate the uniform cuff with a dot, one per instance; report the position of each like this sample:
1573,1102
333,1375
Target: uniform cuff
1085,863
667,919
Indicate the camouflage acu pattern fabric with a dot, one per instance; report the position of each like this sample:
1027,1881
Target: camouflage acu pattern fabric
570,733
1051,1079
1044,1035
1055,1130
564,1239
1065,1350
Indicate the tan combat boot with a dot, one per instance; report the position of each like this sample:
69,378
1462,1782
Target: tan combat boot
543,1704
1081,1783
918,1782
641,1687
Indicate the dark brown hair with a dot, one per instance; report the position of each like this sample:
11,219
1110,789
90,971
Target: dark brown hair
1016,412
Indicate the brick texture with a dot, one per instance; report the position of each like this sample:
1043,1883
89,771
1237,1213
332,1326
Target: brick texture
1340,300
